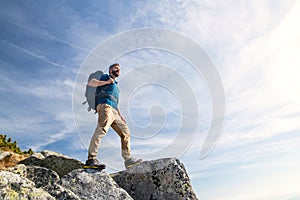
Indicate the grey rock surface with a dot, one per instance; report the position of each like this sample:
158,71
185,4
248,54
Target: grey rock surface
13,186
60,193
158,179
45,179
42,176
91,184
50,175
57,162
48,181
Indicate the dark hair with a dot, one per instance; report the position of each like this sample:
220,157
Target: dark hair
113,65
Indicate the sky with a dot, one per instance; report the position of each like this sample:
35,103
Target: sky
182,64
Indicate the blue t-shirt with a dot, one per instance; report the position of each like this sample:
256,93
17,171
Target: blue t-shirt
108,94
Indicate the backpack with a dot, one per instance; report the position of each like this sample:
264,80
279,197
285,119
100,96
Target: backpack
91,93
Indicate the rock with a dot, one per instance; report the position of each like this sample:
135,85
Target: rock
42,176
48,181
13,186
45,179
60,193
19,169
10,159
93,185
47,153
158,179
39,175
4,154
59,163
50,175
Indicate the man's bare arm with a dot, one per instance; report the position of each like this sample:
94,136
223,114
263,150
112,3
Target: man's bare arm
96,83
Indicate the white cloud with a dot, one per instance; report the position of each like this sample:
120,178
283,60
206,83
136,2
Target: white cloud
256,54
272,94
161,13
230,25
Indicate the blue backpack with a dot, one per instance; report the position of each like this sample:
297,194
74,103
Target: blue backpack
92,93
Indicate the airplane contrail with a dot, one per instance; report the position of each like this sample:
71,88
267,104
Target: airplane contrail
40,57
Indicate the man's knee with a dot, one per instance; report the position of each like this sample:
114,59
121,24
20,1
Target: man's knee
101,130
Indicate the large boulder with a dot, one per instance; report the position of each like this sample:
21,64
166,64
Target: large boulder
157,179
92,184
57,162
13,186
45,179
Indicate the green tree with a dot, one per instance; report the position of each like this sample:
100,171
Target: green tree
4,142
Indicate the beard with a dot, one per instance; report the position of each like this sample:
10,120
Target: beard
116,73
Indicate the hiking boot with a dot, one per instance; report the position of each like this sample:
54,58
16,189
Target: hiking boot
131,162
93,164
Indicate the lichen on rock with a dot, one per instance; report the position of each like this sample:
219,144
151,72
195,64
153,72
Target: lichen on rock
13,186
93,185
157,179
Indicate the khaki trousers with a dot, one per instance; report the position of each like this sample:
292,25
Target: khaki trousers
109,117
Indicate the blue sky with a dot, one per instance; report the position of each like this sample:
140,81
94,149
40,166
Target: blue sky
49,47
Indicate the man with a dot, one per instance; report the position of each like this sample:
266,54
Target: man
109,116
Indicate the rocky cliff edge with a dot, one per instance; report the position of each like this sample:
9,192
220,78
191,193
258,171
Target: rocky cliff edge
50,175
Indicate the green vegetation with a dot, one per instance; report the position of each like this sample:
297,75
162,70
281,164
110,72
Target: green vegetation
13,146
